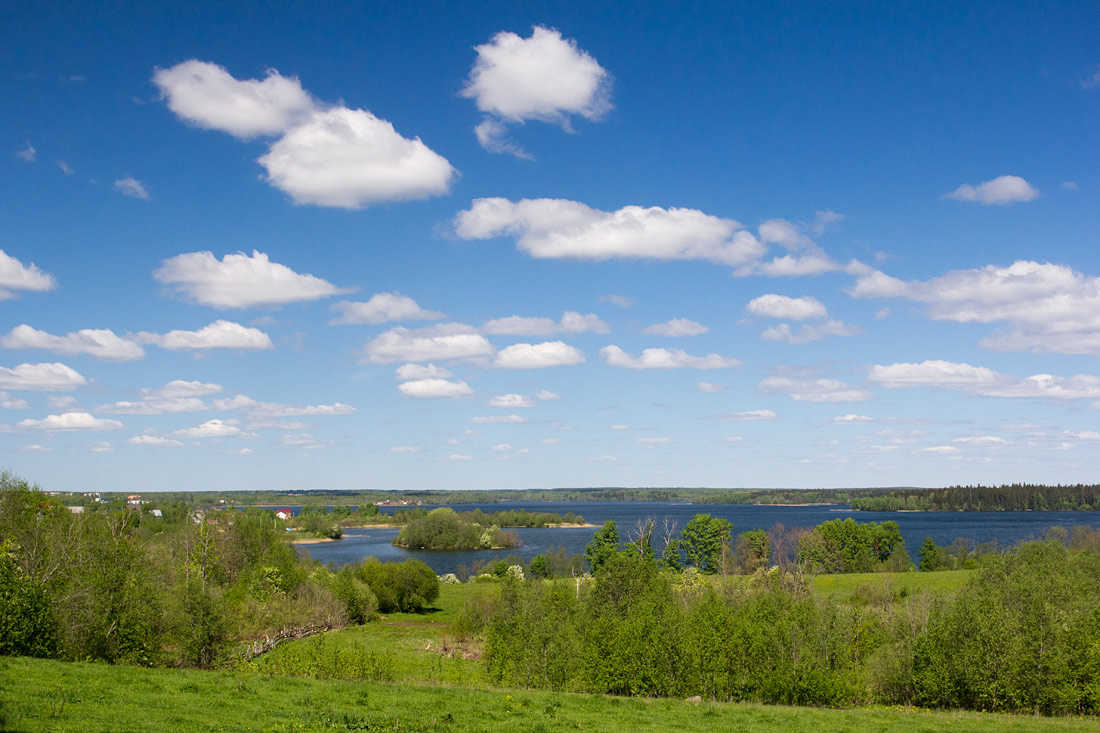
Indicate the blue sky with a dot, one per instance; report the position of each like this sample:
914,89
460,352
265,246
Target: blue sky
534,245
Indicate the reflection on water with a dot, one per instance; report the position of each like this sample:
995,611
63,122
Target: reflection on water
1006,528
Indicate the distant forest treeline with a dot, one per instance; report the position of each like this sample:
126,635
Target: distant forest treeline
1013,497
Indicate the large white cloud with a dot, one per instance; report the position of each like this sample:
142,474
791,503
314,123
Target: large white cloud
1047,307
382,308
348,158
101,343
14,275
538,356
175,396
239,281
984,381
772,305
815,390
664,359
1000,190
445,342
571,322
206,95
434,388
544,77
55,377
676,327
324,155
71,421
220,334
559,228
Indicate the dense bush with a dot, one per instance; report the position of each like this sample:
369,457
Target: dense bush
1024,635
402,586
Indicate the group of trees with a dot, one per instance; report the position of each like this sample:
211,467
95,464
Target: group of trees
444,529
179,589
1023,635
707,544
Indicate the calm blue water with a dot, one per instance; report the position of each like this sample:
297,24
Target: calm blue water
1005,528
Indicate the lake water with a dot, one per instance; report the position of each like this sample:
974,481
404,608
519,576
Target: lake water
1005,528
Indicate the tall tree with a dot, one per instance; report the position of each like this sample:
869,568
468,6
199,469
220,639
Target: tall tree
603,546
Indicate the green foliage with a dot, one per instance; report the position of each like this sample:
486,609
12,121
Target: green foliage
444,529
753,551
1023,636
26,624
704,538
603,546
404,586
359,600
847,546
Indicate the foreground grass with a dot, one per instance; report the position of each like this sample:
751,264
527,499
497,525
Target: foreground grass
40,695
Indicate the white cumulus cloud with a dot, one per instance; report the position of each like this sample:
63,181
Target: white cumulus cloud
220,334
563,229
326,155
445,342
544,77
511,401
1000,190
176,396
984,381
239,281
664,359
14,275
538,356
545,394
434,389
786,308
100,343
206,95
71,421
211,429
348,158
382,308
55,377
1048,308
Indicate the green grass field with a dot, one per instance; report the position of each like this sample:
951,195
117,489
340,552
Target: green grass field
391,675
37,695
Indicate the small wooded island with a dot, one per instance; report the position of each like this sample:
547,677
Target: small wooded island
446,529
